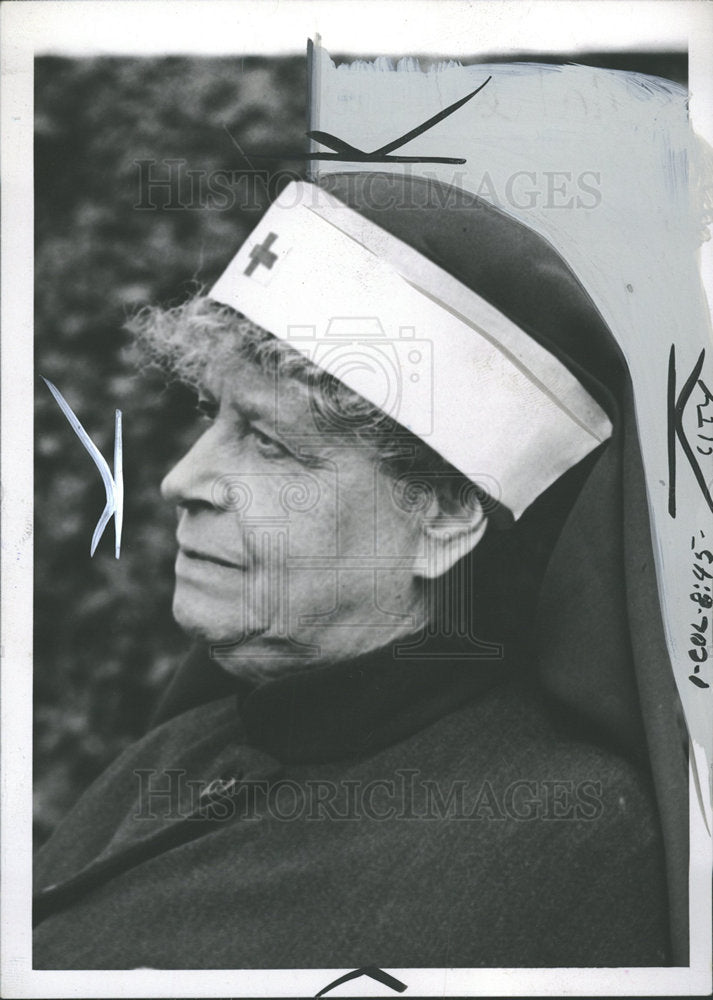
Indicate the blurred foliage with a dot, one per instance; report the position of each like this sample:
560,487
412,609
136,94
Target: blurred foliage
105,641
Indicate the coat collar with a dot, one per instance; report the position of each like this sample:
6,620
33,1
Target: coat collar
339,710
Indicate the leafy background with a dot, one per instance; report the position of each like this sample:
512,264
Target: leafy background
104,639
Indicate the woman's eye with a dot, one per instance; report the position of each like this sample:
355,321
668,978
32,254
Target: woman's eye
267,445
207,408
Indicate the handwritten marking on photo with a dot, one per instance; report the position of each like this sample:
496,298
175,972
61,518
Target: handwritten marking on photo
113,485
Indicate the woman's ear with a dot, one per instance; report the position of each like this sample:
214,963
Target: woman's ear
449,535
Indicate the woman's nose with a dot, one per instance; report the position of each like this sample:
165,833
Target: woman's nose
193,478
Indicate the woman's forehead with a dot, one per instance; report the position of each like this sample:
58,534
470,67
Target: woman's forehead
289,404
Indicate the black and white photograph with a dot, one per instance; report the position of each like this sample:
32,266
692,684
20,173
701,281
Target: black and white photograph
357,564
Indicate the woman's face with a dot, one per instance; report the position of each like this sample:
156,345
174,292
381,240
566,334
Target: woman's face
293,547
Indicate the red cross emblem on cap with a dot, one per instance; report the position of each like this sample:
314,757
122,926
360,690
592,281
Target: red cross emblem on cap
261,254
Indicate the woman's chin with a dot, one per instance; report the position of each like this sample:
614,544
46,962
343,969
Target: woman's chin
207,624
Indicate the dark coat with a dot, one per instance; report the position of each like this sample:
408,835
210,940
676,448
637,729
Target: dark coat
548,852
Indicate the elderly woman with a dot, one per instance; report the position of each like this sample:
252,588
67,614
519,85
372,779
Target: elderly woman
428,719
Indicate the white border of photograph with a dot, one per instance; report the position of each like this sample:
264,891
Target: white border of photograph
244,27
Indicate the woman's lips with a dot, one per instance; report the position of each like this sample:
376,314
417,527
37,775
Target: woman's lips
197,556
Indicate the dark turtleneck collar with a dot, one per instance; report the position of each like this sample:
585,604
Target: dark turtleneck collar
338,710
